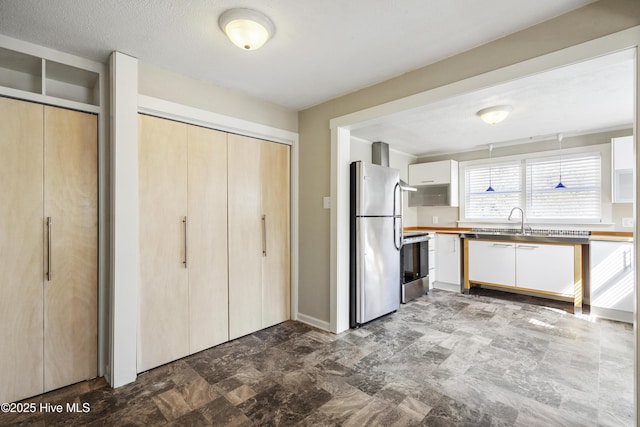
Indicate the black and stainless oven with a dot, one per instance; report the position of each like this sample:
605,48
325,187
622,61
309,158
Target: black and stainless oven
414,266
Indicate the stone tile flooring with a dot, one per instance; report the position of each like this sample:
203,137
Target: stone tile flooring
445,359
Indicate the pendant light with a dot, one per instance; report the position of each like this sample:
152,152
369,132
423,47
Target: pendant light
490,188
560,185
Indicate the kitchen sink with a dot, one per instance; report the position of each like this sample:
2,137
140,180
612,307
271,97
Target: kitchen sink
529,235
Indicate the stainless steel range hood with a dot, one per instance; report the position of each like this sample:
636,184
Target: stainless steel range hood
380,156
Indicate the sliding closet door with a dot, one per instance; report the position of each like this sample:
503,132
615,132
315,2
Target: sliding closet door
163,333
246,235
276,283
70,207
207,211
21,249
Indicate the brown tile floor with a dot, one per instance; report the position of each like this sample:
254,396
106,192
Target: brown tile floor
445,359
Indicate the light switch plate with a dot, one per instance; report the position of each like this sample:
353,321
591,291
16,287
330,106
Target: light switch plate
326,202
627,222
434,220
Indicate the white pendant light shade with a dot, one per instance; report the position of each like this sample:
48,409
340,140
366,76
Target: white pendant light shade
496,114
246,28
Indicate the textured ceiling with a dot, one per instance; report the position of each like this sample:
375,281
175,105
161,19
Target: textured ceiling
321,49
586,97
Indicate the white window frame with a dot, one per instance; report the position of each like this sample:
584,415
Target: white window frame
495,183
604,150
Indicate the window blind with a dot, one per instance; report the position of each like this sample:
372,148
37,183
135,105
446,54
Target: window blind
581,197
506,180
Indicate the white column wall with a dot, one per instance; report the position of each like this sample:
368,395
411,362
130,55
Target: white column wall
124,220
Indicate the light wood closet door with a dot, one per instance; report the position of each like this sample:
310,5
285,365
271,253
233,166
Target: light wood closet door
276,284
70,287
208,280
21,249
164,293
245,236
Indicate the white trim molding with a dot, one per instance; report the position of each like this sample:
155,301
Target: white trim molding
316,323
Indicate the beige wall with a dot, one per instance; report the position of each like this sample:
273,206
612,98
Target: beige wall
590,22
164,84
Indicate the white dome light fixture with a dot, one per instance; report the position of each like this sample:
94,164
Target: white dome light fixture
246,28
496,114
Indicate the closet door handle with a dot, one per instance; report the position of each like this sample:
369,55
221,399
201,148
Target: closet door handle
49,269
264,235
186,244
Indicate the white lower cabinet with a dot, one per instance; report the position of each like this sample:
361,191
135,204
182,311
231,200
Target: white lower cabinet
547,268
612,287
448,258
492,262
539,267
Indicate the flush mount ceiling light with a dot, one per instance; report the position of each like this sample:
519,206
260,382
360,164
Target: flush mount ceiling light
496,114
246,28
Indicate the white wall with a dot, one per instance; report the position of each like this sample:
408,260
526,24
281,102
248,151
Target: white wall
612,213
160,83
361,150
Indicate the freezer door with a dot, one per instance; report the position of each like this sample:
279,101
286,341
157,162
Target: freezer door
377,190
378,275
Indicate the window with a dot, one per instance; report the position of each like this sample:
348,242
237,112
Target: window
531,184
506,181
580,199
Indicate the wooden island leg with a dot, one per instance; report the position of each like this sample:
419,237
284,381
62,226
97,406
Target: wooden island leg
578,284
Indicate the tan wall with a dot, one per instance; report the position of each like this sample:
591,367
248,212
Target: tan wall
590,22
164,84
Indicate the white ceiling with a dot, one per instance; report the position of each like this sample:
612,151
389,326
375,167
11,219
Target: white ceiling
321,49
586,97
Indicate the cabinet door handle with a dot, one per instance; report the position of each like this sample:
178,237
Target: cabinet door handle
428,180
186,244
264,235
49,234
531,247
502,245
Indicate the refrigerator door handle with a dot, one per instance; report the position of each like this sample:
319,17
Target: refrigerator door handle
396,242
397,237
396,190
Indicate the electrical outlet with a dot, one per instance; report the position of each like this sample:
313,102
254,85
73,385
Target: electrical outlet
434,220
627,222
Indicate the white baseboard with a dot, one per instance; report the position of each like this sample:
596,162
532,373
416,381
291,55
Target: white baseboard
612,314
320,324
446,286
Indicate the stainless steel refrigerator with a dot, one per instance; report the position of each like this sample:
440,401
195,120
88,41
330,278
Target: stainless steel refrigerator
375,240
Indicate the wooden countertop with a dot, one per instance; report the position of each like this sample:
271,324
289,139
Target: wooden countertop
612,233
456,230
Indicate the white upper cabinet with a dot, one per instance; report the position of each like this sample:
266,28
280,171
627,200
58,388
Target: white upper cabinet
437,183
434,173
622,169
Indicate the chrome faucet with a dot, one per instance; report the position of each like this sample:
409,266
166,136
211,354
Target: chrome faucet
521,218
